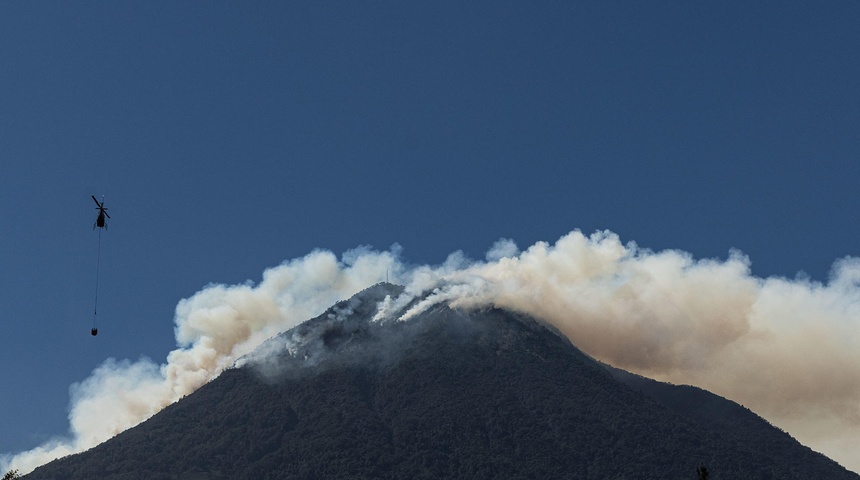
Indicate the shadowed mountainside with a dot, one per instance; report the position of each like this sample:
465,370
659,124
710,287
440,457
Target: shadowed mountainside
448,394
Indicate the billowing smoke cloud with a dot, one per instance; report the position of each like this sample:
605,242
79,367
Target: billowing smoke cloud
787,349
214,327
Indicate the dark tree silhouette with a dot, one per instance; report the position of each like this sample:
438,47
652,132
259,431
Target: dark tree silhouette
11,475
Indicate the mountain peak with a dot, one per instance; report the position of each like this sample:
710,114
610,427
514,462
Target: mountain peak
346,325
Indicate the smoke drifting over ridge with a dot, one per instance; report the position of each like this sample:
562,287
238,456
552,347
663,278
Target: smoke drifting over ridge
788,349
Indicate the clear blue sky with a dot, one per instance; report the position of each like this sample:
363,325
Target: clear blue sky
228,137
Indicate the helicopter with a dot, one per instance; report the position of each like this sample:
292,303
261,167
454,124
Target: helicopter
100,221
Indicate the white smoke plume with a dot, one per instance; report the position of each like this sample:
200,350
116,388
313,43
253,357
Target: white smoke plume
787,349
213,328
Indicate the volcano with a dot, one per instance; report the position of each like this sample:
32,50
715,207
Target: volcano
449,393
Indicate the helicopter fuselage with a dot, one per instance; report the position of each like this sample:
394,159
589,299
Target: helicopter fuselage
100,220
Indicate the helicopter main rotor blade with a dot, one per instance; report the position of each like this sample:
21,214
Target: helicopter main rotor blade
97,202
106,214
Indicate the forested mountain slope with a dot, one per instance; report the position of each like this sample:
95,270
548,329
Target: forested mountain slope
447,394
